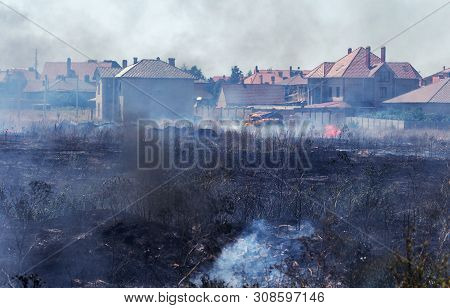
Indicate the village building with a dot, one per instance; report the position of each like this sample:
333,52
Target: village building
83,70
203,93
433,98
271,76
246,95
361,79
12,84
436,77
296,88
154,89
106,97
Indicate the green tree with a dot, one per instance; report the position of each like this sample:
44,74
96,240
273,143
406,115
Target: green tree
194,71
236,74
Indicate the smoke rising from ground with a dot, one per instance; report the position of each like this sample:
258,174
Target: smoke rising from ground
216,35
259,256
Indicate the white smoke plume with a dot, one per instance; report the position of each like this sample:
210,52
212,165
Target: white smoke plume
260,256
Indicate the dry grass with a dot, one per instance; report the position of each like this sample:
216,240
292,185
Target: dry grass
17,120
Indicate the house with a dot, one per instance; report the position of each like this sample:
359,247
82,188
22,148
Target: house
61,92
13,82
445,73
106,97
271,76
266,76
70,92
433,98
245,95
220,78
361,79
296,88
154,89
83,70
203,93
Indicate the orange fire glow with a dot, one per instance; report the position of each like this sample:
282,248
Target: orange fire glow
331,131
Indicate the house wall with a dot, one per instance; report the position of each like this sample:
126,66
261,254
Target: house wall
403,86
359,91
156,98
106,99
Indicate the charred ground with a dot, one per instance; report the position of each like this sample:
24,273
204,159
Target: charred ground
378,206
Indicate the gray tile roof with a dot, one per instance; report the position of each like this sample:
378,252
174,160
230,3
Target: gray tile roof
256,94
108,72
153,69
438,92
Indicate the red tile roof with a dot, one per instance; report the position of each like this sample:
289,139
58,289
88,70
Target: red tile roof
321,70
404,70
438,92
247,95
34,86
353,65
294,81
265,77
55,69
217,78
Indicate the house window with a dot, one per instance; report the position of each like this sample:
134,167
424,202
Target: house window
338,92
330,92
383,92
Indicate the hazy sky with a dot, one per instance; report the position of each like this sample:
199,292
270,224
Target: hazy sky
218,34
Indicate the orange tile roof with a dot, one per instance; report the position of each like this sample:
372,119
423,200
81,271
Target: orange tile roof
353,65
55,69
321,70
265,76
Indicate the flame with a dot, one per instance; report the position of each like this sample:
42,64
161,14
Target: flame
331,131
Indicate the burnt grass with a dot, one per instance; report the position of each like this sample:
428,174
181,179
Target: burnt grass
75,212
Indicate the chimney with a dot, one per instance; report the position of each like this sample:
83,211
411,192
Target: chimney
172,61
349,51
69,67
256,69
383,54
290,71
443,68
272,78
368,57
124,63
135,60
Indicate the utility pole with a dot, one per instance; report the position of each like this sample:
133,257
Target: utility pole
76,97
45,97
36,64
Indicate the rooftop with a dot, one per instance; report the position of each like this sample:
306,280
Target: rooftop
149,68
258,94
438,92
108,72
55,69
354,65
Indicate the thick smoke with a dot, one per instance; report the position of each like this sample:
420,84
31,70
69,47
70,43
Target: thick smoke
218,34
260,256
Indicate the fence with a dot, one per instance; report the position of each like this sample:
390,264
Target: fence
371,123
